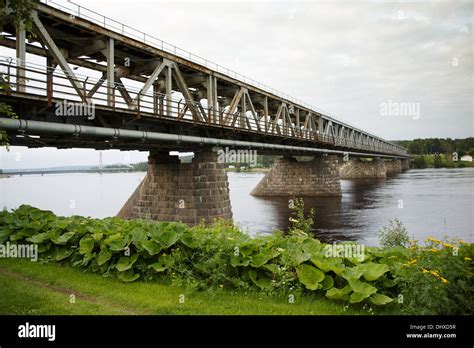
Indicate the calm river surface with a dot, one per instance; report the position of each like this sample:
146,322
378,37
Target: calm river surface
429,202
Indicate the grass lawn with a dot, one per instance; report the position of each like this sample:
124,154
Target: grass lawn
30,288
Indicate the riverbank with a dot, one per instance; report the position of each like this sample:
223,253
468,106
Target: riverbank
221,259
248,170
438,161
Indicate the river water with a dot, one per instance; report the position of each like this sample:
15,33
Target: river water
429,202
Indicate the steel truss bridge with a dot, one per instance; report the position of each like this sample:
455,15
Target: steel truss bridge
147,94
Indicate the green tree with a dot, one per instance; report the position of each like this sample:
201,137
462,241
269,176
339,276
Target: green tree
394,235
419,162
438,162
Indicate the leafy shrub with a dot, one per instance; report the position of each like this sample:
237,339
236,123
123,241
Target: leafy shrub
438,278
221,256
438,161
299,223
394,235
418,162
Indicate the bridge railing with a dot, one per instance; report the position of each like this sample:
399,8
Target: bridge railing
53,86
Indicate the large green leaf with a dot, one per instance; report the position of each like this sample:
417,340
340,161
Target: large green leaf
310,276
339,294
128,276
328,282
126,262
63,239
168,237
151,247
38,238
164,263
263,257
115,242
138,235
297,256
364,289
188,239
380,299
272,267
98,236
313,247
86,245
103,256
357,297
353,272
373,271
327,264
260,281
60,224
239,260
61,254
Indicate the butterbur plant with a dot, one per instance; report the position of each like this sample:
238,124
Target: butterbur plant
220,256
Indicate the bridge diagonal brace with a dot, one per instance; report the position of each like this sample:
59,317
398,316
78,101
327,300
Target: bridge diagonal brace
288,120
182,112
252,110
233,106
55,51
277,117
178,77
97,85
124,93
150,82
313,125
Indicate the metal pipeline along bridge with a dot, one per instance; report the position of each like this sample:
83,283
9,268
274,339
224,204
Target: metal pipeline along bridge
140,93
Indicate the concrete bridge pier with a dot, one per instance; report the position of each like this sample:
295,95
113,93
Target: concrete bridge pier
288,177
186,192
363,169
405,164
393,166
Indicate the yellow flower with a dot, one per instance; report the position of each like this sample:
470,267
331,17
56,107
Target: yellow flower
467,259
433,250
425,270
412,262
436,274
431,239
443,280
447,245
463,242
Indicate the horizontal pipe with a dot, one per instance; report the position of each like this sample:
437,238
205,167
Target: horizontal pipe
40,127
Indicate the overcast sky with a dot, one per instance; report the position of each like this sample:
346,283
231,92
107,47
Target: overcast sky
353,59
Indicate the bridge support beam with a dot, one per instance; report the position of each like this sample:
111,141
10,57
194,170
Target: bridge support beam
21,57
288,177
359,169
186,192
393,166
405,164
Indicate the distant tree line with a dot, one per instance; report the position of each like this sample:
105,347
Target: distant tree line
439,146
134,167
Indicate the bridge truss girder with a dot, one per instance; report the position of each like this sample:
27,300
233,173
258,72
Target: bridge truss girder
72,40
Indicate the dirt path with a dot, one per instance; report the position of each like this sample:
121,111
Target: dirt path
68,292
